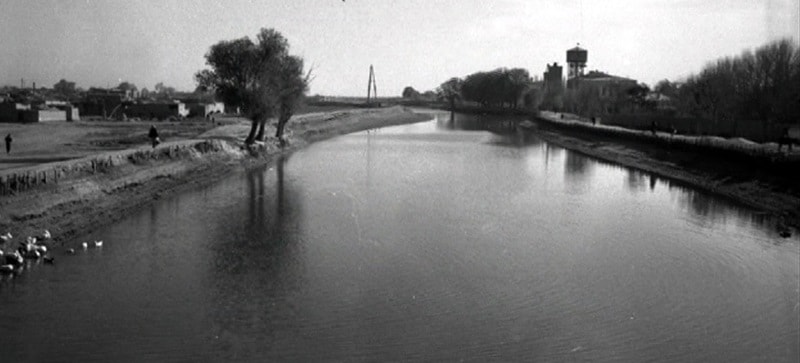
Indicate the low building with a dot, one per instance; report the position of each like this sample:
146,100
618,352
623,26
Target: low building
160,111
21,113
103,102
203,109
35,115
607,93
10,111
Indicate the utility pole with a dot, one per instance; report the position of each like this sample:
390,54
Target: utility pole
371,87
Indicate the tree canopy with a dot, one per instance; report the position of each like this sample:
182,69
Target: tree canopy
763,85
261,78
64,89
450,90
499,87
162,91
410,92
127,86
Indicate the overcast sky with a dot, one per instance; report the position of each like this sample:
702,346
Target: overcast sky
418,43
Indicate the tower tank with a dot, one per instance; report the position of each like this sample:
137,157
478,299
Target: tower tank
576,59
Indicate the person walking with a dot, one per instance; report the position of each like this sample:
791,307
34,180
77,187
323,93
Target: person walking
8,143
153,135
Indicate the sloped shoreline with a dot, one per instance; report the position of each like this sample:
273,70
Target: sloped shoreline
749,175
73,198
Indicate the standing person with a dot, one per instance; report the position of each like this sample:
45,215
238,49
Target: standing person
8,143
153,135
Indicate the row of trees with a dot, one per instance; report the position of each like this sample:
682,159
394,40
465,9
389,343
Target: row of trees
261,78
67,90
410,93
763,86
501,87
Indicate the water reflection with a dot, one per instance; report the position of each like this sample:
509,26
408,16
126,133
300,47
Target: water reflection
577,166
469,122
637,181
255,263
466,245
269,228
708,210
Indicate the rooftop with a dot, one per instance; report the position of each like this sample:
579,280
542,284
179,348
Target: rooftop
601,76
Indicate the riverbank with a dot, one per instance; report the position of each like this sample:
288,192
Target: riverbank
751,174
75,197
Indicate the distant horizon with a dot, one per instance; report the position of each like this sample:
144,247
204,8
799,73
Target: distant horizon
415,43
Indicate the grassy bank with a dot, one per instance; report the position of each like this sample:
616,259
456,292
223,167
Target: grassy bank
77,196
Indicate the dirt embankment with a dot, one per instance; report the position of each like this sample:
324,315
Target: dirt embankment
750,174
72,198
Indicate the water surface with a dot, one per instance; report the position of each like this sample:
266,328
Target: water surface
438,241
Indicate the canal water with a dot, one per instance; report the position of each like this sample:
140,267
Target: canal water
446,240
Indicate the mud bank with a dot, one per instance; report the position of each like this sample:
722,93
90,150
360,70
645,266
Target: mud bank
73,198
746,174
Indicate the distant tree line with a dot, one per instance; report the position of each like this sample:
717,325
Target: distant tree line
410,93
502,87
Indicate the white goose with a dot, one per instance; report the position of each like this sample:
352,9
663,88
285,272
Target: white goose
6,237
98,243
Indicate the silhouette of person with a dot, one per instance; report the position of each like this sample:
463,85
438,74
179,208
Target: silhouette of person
153,135
8,143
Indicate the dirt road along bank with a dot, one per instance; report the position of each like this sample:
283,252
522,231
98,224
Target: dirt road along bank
74,197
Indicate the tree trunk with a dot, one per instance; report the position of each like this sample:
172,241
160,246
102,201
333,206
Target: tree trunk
282,120
278,130
251,137
260,135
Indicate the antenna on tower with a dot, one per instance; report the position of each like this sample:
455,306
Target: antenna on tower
371,86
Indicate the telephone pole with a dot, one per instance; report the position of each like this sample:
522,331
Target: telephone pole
371,87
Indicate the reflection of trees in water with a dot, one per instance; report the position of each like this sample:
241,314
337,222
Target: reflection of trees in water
636,180
255,263
551,154
470,122
272,207
577,165
712,209
446,122
507,127
705,208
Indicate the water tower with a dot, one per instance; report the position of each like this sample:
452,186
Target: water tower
576,59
